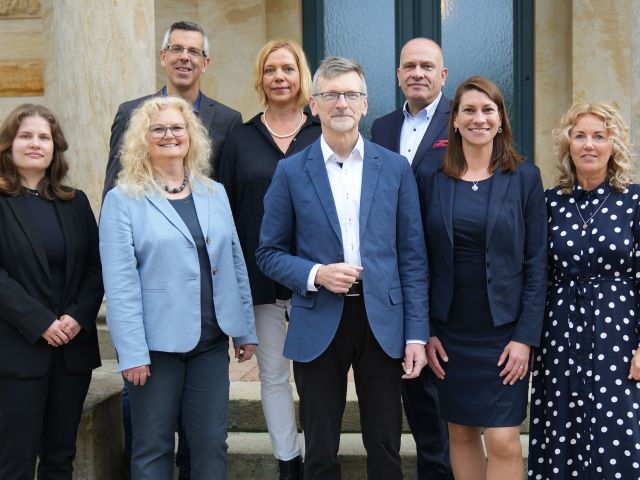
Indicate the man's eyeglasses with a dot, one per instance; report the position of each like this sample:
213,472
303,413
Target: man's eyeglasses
178,49
350,97
159,131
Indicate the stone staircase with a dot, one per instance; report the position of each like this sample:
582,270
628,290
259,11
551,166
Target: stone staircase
250,456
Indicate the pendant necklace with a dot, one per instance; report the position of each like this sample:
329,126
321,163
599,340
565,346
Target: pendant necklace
475,185
585,223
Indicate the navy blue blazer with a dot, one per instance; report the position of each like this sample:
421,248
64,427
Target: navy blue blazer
386,130
516,254
300,228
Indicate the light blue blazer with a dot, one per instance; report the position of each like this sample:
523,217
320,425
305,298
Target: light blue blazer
152,274
300,228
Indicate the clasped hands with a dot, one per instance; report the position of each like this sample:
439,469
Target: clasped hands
62,331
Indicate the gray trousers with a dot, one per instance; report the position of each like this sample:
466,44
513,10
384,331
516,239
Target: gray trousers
200,384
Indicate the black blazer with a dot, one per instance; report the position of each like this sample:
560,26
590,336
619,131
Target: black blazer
216,117
247,165
25,288
516,254
386,130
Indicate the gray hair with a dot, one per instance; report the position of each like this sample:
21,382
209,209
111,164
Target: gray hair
190,27
332,67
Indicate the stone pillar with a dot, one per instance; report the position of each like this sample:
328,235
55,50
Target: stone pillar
97,55
236,30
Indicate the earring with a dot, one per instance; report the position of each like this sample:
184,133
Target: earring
455,129
499,129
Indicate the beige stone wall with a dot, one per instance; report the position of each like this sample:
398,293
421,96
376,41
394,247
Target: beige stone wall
585,51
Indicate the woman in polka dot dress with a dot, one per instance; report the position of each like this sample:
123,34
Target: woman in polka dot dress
585,394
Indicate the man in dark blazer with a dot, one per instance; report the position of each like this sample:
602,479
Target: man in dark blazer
419,132
185,57
330,233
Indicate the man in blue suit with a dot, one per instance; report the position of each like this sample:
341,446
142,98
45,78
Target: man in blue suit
419,132
342,229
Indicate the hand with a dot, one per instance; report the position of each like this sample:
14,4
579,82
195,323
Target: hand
70,326
337,277
55,335
414,359
245,352
634,369
137,375
435,349
518,364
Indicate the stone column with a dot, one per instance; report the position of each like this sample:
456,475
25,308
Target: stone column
97,55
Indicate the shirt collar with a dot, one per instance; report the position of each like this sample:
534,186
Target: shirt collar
600,192
329,155
427,111
196,104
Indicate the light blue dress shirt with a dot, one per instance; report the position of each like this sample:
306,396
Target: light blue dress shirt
414,128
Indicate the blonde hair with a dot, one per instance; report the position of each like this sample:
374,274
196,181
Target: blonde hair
620,165
301,63
136,177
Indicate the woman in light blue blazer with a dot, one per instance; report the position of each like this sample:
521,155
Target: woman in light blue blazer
176,287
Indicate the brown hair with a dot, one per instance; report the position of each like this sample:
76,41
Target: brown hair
620,165
50,187
301,62
504,155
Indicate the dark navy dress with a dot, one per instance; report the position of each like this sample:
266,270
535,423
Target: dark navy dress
472,393
585,412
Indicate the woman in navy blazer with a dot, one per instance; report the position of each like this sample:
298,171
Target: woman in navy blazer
176,287
485,228
50,293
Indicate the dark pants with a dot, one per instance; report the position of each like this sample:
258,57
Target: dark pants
40,417
422,408
322,387
199,384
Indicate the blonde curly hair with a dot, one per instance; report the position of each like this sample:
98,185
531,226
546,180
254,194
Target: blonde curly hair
136,177
620,166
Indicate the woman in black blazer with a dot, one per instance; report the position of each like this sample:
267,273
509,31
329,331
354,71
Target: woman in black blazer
249,159
50,293
485,227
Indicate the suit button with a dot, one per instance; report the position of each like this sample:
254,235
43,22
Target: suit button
487,249
488,264
489,280
340,259
214,270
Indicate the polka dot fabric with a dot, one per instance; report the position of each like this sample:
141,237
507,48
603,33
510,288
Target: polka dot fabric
584,411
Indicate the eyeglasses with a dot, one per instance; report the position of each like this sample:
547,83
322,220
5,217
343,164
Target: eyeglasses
160,131
178,49
350,97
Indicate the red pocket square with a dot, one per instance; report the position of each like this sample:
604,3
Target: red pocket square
441,143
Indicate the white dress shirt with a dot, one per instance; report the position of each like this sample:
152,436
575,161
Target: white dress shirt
345,179
414,128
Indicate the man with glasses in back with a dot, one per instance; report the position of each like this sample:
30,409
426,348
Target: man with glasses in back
185,57
342,230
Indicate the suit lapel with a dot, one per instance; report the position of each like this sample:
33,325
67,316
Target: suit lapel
207,111
499,185
446,190
163,205
69,230
438,123
370,173
318,174
21,211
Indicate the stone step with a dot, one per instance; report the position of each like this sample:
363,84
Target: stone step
250,456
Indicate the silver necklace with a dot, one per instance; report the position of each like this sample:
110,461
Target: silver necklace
586,222
475,185
287,135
